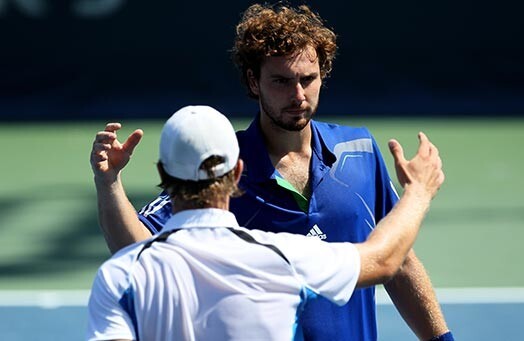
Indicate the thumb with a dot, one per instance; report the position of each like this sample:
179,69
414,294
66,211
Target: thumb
396,150
132,141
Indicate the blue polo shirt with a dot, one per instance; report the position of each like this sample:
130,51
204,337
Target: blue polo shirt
350,191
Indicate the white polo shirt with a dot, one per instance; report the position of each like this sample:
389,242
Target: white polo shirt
214,280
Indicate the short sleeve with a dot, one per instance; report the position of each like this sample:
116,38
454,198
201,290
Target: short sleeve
328,269
107,320
155,214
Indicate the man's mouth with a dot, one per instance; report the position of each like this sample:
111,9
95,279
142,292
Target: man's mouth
295,111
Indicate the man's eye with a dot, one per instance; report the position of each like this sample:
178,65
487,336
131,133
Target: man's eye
281,80
307,80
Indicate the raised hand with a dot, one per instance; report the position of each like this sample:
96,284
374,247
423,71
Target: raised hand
108,155
424,170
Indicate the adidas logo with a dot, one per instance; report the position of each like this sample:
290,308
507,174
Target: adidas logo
316,232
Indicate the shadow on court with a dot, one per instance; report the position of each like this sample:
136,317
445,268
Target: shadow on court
52,239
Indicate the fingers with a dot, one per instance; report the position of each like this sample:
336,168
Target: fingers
132,141
430,154
105,137
396,150
441,178
113,127
109,156
104,141
101,146
108,135
424,148
106,144
428,149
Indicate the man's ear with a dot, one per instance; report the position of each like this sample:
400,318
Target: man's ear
252,82
161,172
239,168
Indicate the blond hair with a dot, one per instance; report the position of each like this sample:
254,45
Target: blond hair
203,193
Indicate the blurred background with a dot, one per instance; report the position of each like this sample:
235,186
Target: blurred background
454,69
102,59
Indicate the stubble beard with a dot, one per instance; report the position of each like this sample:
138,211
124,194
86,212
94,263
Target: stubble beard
295,123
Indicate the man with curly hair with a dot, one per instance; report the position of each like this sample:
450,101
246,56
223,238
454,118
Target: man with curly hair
301,176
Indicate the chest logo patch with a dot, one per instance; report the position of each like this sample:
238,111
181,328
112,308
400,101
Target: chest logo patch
316,232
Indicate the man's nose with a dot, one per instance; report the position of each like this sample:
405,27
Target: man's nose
299,95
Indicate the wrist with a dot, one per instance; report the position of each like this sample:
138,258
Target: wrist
418,191
448,336
105,182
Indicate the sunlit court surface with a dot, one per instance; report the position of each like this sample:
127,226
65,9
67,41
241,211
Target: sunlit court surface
473,314
470,242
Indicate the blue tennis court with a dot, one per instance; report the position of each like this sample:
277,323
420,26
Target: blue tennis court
472,314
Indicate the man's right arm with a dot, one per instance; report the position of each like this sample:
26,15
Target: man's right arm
107,318
386,248
117,217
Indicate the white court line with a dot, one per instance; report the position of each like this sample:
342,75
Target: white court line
43,298
78,298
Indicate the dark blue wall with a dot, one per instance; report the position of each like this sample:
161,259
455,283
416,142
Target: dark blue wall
82,59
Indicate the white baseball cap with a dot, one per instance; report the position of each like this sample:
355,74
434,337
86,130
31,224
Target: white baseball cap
193,134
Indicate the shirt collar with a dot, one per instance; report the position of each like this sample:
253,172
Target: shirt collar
201,218
319,143
258,166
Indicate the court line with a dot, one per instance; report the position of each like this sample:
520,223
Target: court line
77,298
43,298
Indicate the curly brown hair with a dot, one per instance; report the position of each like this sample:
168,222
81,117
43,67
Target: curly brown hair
279,30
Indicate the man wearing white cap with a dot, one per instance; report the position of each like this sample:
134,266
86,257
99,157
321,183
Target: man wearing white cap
206,278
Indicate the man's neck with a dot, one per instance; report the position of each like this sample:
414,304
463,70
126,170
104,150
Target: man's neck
280,142
180,205
290,153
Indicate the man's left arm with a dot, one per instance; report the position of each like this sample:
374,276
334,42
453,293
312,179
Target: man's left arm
412,293
410,290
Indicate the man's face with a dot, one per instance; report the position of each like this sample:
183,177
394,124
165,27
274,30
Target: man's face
288,89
